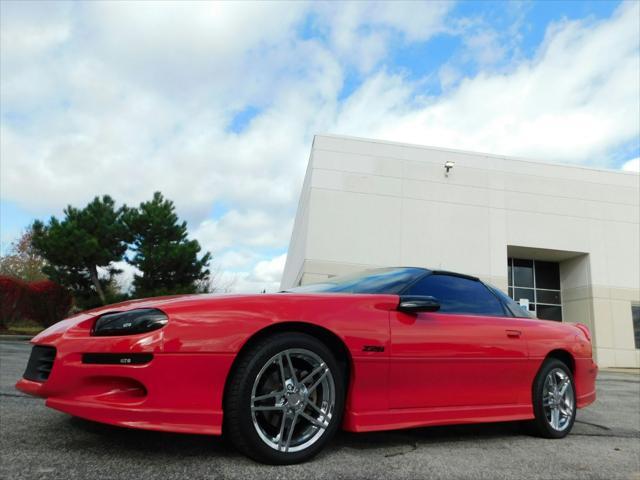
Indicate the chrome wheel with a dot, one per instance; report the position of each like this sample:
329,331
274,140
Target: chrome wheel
292,400
558,399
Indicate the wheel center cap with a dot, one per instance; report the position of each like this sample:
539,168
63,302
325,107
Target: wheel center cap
294,399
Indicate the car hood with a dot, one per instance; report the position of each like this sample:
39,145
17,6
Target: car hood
83,321
167,302
197,307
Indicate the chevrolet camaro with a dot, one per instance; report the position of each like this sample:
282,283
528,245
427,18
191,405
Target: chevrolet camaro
279,374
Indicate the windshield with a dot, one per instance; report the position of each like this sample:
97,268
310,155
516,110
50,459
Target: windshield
380,280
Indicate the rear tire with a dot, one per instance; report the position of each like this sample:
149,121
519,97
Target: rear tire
285,399
554,400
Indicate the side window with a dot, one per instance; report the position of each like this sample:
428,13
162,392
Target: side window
458,295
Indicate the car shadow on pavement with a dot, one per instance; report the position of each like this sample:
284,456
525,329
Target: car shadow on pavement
394,442
427,435
132,439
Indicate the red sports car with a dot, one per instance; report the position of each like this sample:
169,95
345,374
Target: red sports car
280,373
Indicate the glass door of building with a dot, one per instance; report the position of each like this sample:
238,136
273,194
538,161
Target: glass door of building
537,283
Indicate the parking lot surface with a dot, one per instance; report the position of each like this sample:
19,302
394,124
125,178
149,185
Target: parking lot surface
37,442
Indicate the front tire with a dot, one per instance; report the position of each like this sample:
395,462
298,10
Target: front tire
554,400
285,399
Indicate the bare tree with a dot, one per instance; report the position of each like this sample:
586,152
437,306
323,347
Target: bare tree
22,260
218,283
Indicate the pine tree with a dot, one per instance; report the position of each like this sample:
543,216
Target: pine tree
167,259
85,240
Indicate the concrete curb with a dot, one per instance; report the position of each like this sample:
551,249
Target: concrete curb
632,371
16,338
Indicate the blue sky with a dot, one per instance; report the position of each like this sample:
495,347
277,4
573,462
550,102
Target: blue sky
216,104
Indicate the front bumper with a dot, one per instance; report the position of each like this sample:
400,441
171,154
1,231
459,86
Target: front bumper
177,392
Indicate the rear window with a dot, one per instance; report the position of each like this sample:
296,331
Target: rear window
513,307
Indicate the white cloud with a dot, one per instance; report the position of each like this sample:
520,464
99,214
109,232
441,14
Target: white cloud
235,260
127,98
360,32
264,276
632,165
270,270
577,101
485,47
125,278
244,229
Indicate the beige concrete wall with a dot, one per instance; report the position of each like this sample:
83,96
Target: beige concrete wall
293,271
369,203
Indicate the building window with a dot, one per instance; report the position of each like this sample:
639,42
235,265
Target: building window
537,283
635,314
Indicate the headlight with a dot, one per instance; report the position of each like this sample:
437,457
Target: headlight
129,323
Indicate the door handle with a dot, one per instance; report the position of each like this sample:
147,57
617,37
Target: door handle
513,333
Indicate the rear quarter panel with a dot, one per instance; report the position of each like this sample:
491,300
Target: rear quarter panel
546,336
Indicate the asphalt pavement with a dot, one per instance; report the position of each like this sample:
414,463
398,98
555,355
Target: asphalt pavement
37,442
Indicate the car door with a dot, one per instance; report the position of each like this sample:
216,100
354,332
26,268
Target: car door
471,352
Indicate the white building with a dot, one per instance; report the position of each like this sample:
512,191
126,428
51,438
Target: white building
564,238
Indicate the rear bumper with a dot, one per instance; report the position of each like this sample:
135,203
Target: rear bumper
177,392
586,399
585,378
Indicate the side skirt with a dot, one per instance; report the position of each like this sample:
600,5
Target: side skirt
423,417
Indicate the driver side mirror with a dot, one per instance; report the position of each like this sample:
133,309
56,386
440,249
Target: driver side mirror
418,303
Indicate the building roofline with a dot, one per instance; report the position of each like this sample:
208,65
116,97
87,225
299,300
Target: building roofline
471,152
